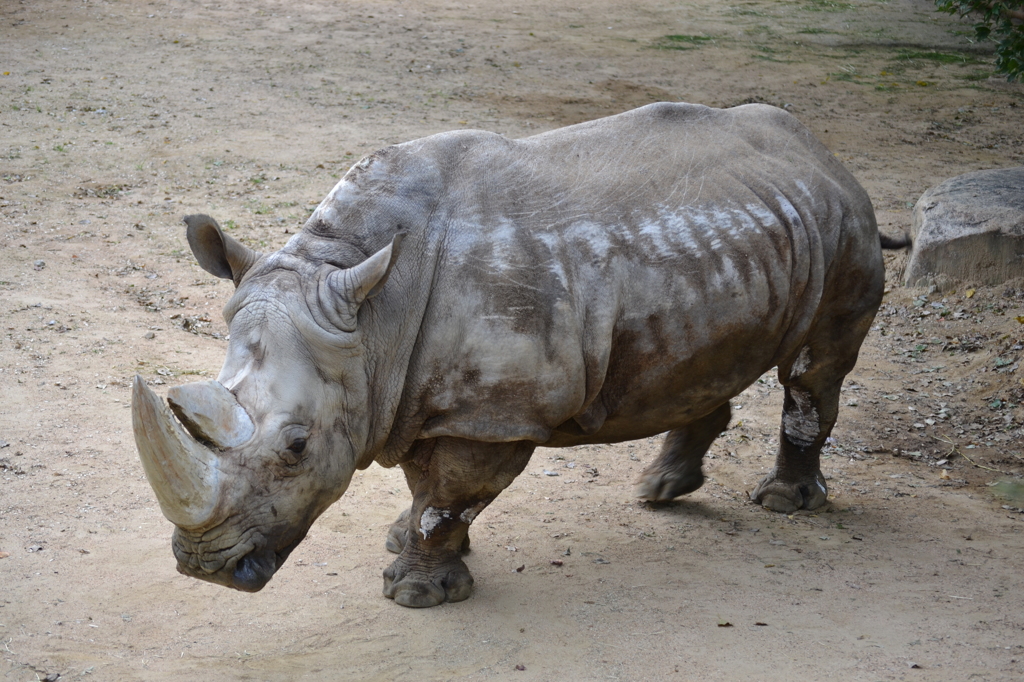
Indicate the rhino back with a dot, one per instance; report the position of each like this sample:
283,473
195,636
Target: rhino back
618,278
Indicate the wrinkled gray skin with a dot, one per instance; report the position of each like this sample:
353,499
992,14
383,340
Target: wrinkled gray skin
604,282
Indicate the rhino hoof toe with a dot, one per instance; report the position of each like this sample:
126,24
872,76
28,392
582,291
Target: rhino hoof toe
418,589
418,595
787,497
778,503
458,585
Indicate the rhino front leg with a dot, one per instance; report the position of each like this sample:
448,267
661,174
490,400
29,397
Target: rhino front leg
453,480
398,532
677,471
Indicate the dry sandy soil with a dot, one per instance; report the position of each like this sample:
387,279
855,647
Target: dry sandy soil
116,118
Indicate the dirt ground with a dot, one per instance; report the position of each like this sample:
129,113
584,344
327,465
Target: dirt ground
119,117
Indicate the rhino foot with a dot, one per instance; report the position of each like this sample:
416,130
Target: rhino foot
663,486
398,535
788,496
413,586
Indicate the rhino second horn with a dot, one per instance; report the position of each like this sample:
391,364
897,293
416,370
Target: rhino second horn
211,413
182,472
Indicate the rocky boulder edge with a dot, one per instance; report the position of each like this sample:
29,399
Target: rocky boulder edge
970,228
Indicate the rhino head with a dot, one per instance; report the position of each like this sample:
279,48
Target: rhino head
243,465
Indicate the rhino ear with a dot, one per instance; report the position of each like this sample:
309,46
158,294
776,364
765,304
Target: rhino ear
343,291
216,252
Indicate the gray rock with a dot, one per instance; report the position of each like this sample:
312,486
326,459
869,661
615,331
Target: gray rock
970,228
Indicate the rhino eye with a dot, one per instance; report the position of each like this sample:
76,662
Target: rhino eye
292,454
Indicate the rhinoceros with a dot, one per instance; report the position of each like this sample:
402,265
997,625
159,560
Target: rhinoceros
458,300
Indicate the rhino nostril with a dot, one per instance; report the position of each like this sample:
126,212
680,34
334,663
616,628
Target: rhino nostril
255,569
245,570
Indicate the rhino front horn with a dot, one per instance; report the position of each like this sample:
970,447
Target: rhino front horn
182,472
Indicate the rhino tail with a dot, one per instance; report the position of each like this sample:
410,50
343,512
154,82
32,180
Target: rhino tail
900,242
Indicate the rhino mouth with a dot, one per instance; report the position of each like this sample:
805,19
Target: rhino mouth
250,573
254,570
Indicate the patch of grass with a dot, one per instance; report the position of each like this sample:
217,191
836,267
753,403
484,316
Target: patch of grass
811,30
253,242
230,224
1012,491
769,54
688,39
977,76
103,191
682,42
940,57
843,76
828,6
759,30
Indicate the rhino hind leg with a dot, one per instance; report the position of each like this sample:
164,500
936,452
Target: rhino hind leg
452,480
677,471
812,382
796,481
